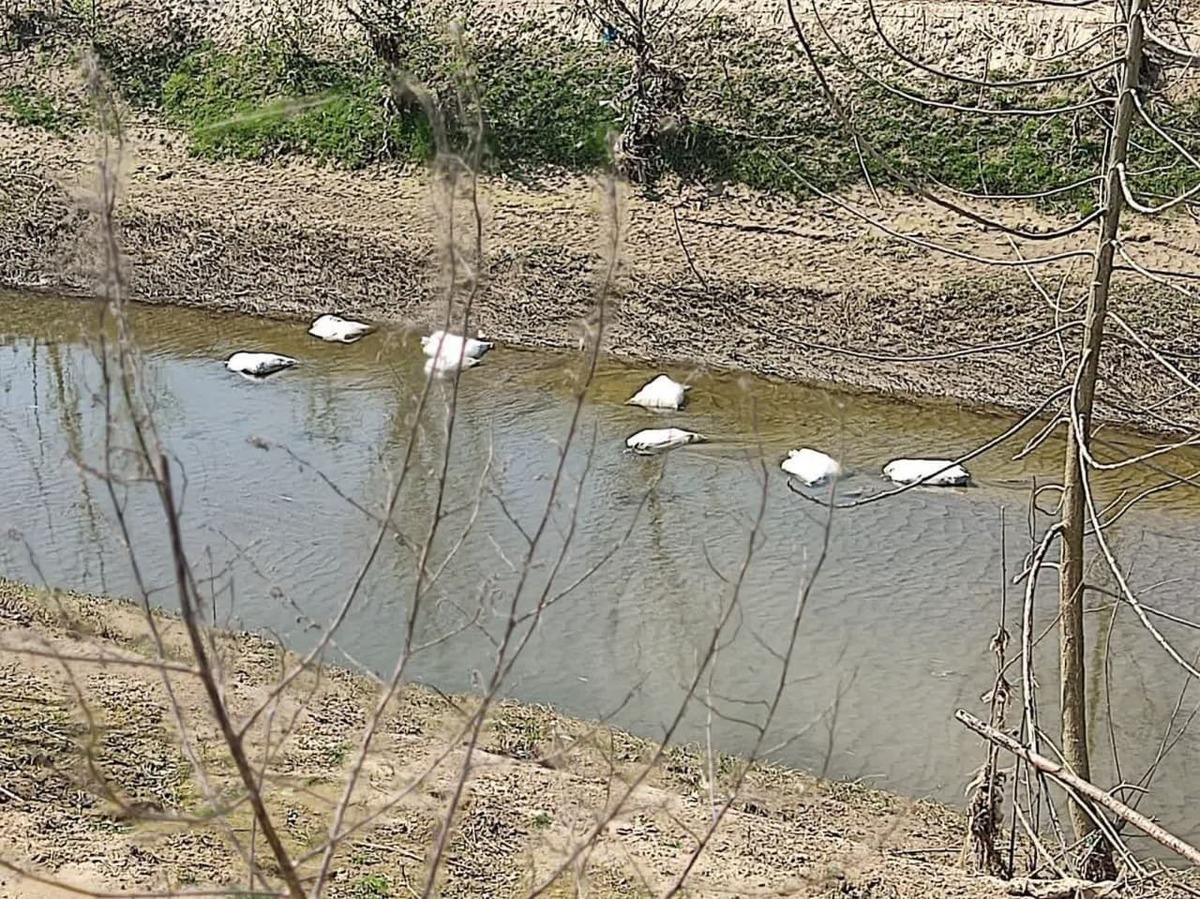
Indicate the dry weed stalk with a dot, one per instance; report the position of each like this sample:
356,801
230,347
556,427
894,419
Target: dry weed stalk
985,812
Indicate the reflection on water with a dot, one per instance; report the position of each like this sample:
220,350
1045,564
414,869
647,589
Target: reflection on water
637,556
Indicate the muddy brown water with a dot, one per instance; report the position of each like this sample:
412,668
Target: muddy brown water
638,557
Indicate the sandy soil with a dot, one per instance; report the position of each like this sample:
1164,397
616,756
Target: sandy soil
98,790
801,291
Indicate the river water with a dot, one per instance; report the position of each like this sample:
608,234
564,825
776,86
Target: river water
894,637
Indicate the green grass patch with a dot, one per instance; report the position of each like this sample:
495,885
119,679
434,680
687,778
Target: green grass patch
259,103
974,151
1024,154
541,104
763,121
1157,170
544,98
26,106
336,754
371,886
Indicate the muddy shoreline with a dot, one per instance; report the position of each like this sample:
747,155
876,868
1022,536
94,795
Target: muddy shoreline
804,292
98,802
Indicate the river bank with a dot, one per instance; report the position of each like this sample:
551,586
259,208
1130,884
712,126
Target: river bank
98,784
262,171
803,291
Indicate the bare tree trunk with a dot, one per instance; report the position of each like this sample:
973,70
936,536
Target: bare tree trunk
1071,633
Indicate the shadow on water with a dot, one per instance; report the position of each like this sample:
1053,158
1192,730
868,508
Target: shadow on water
896,631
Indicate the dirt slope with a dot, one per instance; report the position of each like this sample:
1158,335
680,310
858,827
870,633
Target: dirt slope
802,291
